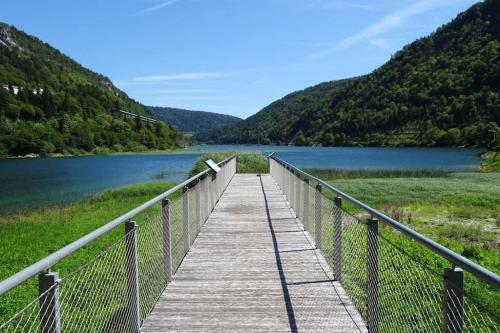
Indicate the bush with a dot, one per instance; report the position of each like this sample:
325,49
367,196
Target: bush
251,163
246,162
101,151
460,231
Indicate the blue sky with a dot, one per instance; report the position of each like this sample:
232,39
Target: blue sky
228,56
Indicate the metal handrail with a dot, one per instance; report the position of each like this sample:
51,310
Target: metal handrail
49,261
473,268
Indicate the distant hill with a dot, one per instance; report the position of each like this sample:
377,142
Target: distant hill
192,121
441,90
276,122
51,104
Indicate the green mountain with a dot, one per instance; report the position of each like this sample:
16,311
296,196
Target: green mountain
441,90
274,122
51,104
192,121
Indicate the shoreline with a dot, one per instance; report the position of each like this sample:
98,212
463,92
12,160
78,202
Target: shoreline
201,148
149,152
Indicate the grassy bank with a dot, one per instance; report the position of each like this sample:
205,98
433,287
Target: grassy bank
246,162
31,236
107,151
459,210
491,161
356,174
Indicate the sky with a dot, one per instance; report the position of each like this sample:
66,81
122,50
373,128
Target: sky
228,56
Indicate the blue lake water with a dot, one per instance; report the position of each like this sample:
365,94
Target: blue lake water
354,158
36,182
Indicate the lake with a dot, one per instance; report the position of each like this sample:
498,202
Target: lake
36,182
355,158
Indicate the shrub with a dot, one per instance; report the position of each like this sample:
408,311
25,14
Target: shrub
246,162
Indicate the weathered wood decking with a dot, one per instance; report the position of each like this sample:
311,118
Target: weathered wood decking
253,268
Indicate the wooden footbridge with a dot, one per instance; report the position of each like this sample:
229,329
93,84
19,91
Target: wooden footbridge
253,268
277,252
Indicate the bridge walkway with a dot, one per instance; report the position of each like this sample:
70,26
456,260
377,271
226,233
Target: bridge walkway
253,268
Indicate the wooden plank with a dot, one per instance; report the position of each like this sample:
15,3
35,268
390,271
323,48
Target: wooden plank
252,268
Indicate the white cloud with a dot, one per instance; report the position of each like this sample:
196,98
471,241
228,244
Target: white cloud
181,91
179,76
162,99
338,4
259,81
381,43
385,24
156,7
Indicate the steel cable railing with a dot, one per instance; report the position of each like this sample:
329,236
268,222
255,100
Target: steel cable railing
398,282
117,289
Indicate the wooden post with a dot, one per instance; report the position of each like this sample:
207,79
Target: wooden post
167,247
337,249
282,178
132,275
373,309
185,219
210,189
213,193
298,205
207,192
285,180
453,300
50,312
318,216
292,190
198,204
305,210
289,185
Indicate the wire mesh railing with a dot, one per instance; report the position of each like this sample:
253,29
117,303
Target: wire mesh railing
398,280
117,289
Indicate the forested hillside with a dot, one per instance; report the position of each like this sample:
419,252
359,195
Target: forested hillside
51,104
192,121
274,123
441,90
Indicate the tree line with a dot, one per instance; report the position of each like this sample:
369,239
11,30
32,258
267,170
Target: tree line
61,107
441,90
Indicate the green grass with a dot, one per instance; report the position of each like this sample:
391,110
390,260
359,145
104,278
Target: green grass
356,174
246,162
459,210
31,236
491,161
456,209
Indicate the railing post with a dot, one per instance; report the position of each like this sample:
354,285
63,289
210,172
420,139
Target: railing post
288,184
318,216
305,210
198,204
132,275
298,213
284,177
185,219
50,314
207,192
453,300
167,247
337,249
213,190
373,297
292,190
